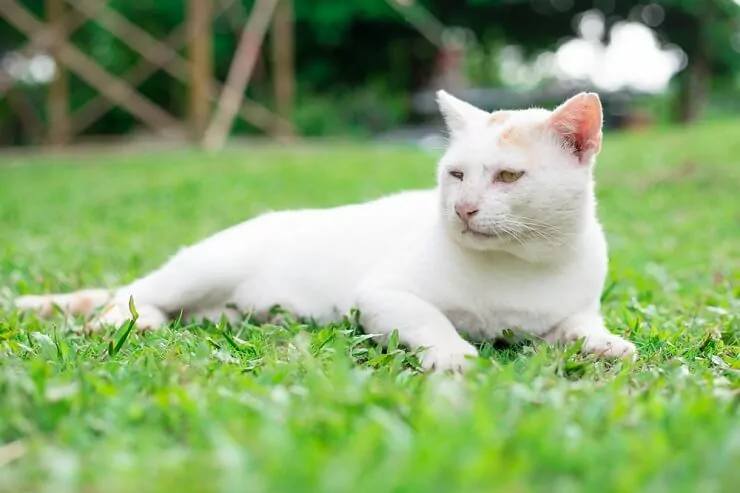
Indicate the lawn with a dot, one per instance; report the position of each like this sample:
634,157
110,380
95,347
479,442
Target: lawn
302,408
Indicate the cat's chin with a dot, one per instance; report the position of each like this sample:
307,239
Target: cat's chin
478,240
493,235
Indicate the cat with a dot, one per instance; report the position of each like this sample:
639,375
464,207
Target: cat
508,239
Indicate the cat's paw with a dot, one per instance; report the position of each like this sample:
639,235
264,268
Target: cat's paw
78,303
40,304
150,318
610,346
454,357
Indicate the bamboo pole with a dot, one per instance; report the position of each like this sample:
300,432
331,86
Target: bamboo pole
72,23
239,74
200,68
58,96
283,46
160,54
109,85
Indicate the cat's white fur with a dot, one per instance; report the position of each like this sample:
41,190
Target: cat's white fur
530,256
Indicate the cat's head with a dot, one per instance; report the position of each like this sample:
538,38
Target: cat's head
512,178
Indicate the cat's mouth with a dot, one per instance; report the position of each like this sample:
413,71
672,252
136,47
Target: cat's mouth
480,234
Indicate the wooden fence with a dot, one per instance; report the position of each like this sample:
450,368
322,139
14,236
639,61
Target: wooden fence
212,105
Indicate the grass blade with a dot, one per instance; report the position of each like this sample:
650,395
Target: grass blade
114,349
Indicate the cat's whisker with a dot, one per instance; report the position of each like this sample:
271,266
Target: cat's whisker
546,233
512,233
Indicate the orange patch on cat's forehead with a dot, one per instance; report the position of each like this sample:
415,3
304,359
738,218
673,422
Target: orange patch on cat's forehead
511,136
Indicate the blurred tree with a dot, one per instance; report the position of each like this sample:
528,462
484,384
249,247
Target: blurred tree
704,29
350,47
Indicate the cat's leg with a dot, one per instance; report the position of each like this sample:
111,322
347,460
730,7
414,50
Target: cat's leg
86,302
183,284
201,276
419,325
113,308
83,302
112,304
597,339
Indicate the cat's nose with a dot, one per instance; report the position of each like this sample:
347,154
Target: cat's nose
466,211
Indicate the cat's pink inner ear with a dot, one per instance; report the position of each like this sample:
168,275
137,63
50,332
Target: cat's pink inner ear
578,122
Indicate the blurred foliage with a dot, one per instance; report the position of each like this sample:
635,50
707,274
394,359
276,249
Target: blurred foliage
359,61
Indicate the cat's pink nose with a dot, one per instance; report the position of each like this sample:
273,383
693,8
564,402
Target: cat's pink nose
466,211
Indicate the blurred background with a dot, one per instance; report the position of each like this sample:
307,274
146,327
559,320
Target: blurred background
201,71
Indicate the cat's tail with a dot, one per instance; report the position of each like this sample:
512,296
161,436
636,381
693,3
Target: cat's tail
83,302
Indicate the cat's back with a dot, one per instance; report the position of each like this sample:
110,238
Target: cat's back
378,218
393,214
314,259
349,237
308,260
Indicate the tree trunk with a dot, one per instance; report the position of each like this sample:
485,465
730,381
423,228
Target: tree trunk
696,77
694,88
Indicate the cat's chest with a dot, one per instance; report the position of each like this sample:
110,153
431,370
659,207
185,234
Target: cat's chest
491,323
529,301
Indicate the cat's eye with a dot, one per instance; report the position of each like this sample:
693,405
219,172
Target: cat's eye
459,175
508,176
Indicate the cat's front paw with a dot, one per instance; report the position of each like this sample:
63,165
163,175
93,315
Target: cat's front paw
610,346
444,357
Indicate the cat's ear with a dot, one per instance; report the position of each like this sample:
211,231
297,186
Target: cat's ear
578,121
457,113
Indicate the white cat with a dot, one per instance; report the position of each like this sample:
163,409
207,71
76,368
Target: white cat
509,239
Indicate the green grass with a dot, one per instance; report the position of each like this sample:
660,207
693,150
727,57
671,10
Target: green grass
295,408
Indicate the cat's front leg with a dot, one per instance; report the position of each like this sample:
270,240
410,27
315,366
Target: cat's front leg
419,325
597,339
